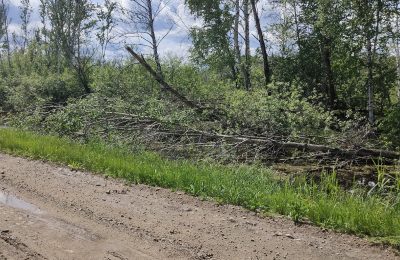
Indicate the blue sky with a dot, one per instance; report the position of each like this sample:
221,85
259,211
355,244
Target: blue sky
176,43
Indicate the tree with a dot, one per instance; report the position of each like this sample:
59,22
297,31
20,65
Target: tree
25,16
142,15
396,43
212,43
267,70
328,29
236,45
247,55
4,34
105,16
71,24
368,16
321,31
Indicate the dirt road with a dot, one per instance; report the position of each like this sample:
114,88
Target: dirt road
51,212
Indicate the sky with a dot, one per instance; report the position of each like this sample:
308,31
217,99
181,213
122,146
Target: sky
176,43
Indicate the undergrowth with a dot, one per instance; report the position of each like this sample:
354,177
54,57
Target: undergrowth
324,203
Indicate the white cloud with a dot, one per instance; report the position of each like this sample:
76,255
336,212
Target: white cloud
33,3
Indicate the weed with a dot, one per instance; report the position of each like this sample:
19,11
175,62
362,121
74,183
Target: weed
254,187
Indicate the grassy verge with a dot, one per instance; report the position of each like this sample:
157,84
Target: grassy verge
324,204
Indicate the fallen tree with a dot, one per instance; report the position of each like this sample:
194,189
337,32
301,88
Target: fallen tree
307,147
261,141
163,83
278,148
211,113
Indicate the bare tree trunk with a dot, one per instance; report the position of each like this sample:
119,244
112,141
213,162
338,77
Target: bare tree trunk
397,47
153,38
7,43
370,86
236,45
326,59
299,60
247,64
370,62
296,21
163,83
307,147
267,70
4,23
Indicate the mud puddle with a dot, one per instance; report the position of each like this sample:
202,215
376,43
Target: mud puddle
14,202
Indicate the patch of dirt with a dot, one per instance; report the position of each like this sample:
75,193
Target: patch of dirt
77,215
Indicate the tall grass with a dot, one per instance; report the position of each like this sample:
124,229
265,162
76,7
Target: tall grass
324,204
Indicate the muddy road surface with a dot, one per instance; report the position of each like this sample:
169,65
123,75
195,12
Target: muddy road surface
51,212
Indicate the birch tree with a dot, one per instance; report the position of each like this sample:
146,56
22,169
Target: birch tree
141,17
25,15
4,33
107,25
261,40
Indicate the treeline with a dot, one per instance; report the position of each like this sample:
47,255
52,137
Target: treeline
348,51
311,70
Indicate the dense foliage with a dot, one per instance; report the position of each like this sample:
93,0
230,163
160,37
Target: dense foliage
333,78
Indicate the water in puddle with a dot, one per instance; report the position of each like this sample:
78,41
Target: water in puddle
12,201
53,223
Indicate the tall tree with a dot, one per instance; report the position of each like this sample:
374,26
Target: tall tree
3,21
25,15
327,29
396,43
142,15
212,43
236,44
71,23
247,63
368,16
261,39
107,24
4,33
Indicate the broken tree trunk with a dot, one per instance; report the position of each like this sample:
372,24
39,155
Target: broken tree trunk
164,84
267,70
285,146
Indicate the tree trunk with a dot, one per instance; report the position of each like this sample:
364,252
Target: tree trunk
236,45
370,86
247,63
267,71
164,84
329,79
348,154
5,24
371,52
8,45
397,47
153,38
296,21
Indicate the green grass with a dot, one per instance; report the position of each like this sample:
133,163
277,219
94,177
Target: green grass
324,204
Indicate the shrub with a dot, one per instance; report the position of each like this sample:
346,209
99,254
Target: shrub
390,127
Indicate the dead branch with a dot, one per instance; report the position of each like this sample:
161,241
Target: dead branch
351,153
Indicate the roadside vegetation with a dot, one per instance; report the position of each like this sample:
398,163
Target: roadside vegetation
374,213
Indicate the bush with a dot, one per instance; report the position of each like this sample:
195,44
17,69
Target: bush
282,113
28,92
390,127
